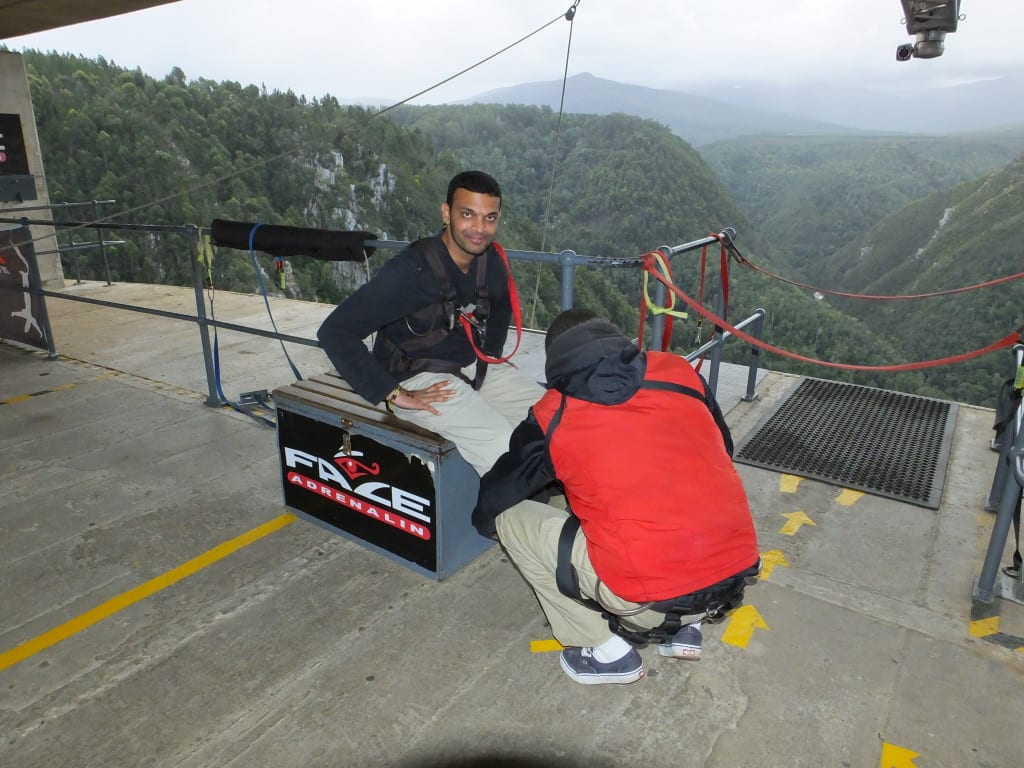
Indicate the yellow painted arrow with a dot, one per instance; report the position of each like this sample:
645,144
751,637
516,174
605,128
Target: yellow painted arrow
742,624
795,520
789,483
896,757
545,646
769,560
848,497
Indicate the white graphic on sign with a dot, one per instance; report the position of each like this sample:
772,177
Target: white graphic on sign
26,313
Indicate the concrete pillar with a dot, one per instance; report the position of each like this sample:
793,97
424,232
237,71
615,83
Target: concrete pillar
15,99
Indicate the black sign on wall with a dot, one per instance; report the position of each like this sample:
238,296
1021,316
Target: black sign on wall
22,314
359,486
13,155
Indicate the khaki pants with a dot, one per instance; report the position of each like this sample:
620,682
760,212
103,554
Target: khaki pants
529,532
478,422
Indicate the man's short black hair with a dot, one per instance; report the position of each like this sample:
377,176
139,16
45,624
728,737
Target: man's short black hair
570,318
473,181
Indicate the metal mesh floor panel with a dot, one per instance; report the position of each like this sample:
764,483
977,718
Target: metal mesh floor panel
884,443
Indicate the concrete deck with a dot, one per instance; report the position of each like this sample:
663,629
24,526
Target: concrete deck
161,608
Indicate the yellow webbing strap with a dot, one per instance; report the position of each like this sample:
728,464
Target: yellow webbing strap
205,255
649,302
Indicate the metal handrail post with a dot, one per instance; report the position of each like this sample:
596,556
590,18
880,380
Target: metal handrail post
568,277
1012,484
1004,441
99,234
716,351
756,327
212,398
985,588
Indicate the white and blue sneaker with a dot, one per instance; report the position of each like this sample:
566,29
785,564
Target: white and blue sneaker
685,644
581,666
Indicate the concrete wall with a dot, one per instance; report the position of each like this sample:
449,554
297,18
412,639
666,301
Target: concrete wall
16,99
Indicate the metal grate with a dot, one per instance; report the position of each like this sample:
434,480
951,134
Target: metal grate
883,443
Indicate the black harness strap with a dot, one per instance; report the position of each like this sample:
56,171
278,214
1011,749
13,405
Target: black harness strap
671,386
441,320
566,578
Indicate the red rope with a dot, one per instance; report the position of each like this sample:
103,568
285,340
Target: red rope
947,292
1007,341
517,313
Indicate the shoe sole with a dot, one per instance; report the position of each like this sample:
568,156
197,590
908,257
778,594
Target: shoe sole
688,652
620,679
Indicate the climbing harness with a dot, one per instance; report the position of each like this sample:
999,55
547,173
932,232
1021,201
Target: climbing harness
441,318
712,604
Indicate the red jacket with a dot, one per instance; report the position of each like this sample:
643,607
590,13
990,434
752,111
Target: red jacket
647,471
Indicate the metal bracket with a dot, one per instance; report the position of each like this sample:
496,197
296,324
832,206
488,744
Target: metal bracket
256,397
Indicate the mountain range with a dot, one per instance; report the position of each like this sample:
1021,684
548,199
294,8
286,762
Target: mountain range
712,112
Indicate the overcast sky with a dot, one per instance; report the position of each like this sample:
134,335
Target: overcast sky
392,49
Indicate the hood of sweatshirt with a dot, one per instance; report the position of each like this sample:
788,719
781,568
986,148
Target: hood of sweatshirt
594,361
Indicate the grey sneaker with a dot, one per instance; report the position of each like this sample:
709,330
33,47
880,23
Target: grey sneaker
581,666
685,644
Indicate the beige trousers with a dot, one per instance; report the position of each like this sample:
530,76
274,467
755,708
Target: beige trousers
478,422
529,532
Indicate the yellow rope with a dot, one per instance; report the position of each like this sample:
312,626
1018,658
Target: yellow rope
653,308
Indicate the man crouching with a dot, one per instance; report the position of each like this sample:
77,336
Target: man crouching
658,535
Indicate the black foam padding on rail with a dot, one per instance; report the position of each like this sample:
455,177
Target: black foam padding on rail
278,240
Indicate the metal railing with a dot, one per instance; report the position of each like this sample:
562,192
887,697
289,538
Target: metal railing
1005,497
566,260
72,246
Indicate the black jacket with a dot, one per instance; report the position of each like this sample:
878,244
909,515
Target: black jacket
404,285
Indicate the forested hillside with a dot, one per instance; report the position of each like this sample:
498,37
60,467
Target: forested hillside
952,239
176,151
810,196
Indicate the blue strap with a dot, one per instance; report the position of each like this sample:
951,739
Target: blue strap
216,377
266,300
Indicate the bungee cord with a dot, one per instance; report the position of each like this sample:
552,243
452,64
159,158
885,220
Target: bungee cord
570,16
651,266
740,259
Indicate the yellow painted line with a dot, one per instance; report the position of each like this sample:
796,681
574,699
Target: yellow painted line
896,757
848,497
794,522
984,627
125,599
545,646
23,398
789,483
740,629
